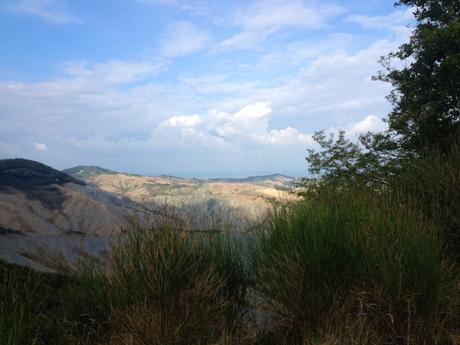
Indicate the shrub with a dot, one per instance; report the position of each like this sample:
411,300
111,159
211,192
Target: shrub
353,263
432,182
166,286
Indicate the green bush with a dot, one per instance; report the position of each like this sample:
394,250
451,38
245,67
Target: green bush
165,286
432,182
353,262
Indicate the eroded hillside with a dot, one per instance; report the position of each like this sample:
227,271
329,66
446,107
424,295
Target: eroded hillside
48,218
246,198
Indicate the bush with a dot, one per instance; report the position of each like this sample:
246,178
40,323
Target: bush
164,286
432,182
355,266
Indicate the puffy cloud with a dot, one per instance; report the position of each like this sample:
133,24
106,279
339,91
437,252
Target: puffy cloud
370,124
278,14
40,147
286,136
196,7
250,119
389,21
249,126
113,72
215,130
182,121
396,22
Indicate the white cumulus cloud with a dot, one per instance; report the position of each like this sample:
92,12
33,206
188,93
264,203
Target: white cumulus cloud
40,147
370,124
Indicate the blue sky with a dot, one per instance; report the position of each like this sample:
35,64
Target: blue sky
204,88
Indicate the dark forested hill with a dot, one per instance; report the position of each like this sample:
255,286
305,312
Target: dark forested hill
24,174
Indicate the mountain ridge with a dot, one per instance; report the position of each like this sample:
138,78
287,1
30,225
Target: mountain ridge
86,171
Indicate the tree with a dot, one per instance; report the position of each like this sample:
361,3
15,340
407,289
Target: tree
426,93
342,162
425,99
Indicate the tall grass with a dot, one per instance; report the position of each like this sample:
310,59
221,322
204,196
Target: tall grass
16,305
432,182
30,307
354,264
165,286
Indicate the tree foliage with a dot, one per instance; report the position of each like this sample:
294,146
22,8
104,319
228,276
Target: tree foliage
337,159
425,99
343,162
426,92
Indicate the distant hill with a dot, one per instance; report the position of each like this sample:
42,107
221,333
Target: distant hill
25,174
38,181
257,179
50,219
86,171
243,199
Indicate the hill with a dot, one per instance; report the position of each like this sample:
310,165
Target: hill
48,217
86,171
270,180
246,199
24,174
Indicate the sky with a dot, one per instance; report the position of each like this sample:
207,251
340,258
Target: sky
191,87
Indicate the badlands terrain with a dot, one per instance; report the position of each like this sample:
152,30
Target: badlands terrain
50,219
245,199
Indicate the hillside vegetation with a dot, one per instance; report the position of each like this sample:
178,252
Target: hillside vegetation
25,174
348,269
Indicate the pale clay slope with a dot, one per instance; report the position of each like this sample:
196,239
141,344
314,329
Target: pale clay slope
78,212
56,239
251,197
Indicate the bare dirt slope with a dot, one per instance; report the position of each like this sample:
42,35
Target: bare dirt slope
247,198
48,218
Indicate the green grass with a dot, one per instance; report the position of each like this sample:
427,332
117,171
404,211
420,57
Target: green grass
30,304
432,182
354,258
165,286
